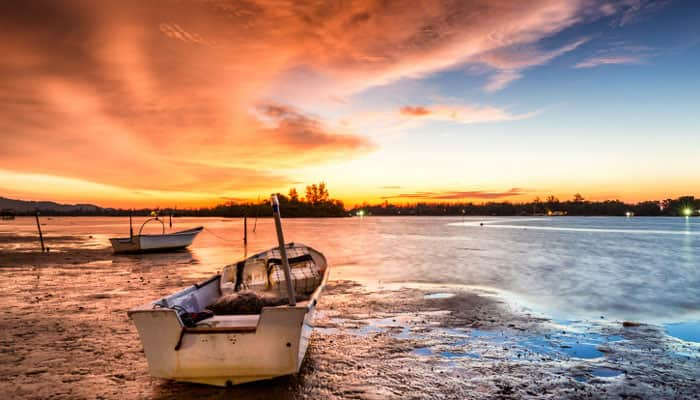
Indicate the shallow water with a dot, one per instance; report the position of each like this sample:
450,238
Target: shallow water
428,318
640,269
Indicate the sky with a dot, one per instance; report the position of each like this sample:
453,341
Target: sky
195,103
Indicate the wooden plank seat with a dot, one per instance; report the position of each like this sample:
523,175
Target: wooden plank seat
226,323
230,323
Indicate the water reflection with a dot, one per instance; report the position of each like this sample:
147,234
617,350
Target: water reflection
643,269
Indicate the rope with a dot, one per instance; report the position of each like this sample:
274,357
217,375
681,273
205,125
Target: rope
221,238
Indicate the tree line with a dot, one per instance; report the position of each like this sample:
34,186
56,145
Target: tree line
578,206
317,202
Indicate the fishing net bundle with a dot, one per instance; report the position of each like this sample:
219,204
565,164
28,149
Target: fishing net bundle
247,302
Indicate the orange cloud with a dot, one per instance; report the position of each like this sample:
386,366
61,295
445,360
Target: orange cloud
414,111
295,131
465,114
168,96
461,195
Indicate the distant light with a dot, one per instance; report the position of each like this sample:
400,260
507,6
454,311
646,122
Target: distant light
687,211
361,213
629,214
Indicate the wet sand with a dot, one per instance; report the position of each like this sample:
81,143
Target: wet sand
64,333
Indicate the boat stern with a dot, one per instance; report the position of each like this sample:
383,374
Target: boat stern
125,245
159,330
223,356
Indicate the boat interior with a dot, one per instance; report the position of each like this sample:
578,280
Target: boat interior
260,275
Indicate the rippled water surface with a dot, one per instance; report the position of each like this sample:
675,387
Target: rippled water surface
643,269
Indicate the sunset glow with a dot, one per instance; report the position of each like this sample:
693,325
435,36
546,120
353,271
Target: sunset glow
143,104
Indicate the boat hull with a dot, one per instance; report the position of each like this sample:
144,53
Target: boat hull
264,346
154,243
275,348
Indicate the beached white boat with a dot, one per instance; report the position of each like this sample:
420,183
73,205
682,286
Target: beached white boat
162,242
239,346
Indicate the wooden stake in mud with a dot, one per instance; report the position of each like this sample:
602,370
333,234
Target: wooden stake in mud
131,227
41,236
257,213
171,220
245,229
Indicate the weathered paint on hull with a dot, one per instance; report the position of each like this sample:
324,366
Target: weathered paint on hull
277,347
273,347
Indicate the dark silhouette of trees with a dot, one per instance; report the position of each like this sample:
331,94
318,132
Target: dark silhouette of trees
318,203
293,195
680,205
316,193
578,206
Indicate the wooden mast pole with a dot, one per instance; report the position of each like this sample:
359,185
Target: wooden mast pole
283,251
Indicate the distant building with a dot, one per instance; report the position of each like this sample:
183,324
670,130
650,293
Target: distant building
7,214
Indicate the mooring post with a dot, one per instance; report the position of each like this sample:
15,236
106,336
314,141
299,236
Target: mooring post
257,212
245,229
171,220
131,227
41,236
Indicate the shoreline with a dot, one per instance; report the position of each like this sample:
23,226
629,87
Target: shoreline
65,334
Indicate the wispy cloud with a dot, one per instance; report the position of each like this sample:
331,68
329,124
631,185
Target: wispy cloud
461,195
501,79
416,111
174,31
617,54
609,60
634,11
464,114
511,61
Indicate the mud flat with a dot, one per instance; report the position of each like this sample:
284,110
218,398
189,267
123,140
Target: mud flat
64,333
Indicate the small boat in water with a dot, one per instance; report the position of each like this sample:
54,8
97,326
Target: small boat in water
152,243
242,325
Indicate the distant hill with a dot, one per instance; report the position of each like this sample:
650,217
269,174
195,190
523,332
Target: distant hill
24,206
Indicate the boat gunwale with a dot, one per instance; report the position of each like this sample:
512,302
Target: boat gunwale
192,231
308,307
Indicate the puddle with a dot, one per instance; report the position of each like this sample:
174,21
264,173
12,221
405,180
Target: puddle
404,334
433,296
555,348
427,351
493,336
688,331
556,345
477,343
604,372
449,354
582,350
599,372
422,351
